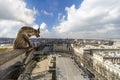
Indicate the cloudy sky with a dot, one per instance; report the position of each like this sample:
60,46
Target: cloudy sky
62,18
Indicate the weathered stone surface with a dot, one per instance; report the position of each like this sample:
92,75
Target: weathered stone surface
9,59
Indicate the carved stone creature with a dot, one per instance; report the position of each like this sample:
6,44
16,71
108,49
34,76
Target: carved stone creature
22,39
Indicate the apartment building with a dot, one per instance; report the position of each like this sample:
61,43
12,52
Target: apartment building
103,61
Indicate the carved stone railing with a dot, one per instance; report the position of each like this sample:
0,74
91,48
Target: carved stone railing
14,63
29,64
7,56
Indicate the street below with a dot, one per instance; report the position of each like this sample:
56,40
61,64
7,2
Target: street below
66,69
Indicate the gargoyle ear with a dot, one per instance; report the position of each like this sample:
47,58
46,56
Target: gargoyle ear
39,29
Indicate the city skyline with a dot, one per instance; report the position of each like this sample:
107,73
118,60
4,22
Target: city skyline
58,19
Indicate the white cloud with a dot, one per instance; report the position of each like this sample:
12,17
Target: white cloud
35,26
47,13
61,17
9,28
45,33
106,29
16,10
43,30
91,19
13,15
43,27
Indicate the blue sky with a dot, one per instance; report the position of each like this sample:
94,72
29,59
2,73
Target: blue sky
62,18
53,8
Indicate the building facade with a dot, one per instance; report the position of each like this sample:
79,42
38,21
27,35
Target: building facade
62,47
103,62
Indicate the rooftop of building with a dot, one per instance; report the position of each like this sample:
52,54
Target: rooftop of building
115,67
109,55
